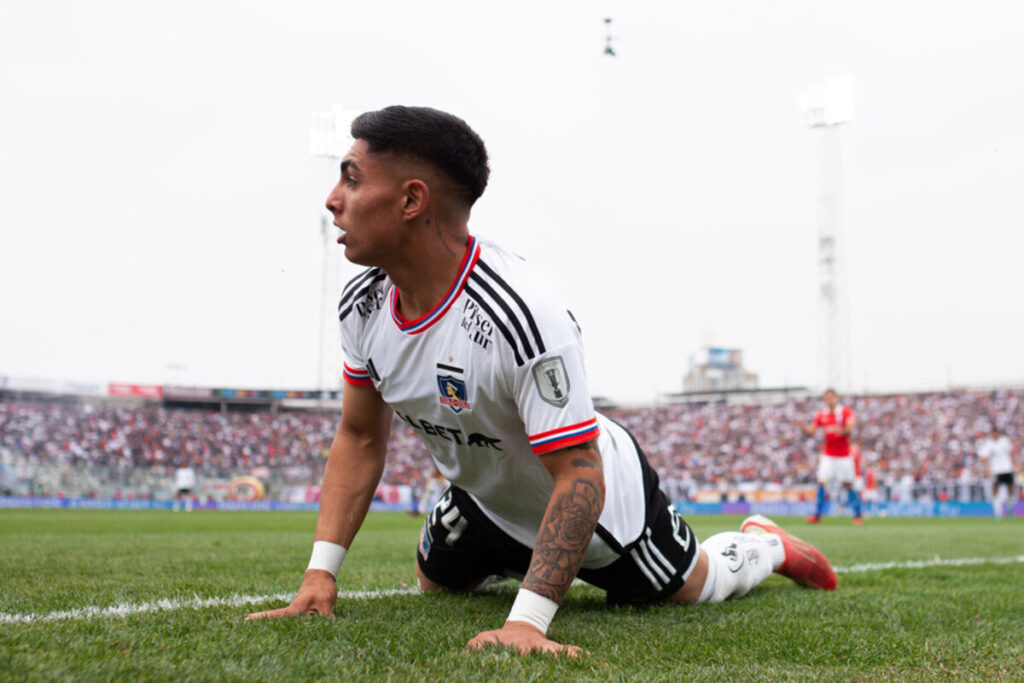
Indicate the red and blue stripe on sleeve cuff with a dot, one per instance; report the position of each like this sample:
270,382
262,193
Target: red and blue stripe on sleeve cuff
359,378
563,437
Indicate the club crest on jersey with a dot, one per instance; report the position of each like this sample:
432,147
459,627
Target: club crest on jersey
552,381
453,393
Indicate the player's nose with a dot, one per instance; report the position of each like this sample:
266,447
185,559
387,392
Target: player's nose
334,202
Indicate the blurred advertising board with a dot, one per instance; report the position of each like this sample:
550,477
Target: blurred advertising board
725,358
187,393
50,386
135,390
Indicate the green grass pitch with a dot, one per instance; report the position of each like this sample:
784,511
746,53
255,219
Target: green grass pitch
924,623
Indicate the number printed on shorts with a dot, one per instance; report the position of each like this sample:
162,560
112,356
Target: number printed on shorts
447,512
677,526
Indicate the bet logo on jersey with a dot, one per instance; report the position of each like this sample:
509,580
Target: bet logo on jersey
453,393
552,381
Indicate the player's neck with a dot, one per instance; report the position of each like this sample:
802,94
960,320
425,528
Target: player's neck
425,276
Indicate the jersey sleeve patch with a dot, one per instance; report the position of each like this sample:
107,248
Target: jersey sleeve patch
357,377
552,381
563,437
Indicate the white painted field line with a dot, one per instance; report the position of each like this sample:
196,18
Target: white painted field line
124,610
242,600
934,562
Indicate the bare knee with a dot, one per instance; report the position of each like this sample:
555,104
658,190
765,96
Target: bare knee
425,583
691,590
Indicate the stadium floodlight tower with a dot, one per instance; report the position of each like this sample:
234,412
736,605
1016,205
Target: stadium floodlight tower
329,138
826,108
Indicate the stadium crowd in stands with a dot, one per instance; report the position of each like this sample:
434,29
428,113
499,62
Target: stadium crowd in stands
917,443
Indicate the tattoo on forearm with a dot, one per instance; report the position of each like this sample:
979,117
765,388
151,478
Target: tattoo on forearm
563,539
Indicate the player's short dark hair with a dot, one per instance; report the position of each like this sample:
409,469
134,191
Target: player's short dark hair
444,140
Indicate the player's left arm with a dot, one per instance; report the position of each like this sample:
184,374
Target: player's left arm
846,428
570,520
565,532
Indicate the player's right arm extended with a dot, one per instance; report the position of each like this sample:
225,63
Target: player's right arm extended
353,471
809,428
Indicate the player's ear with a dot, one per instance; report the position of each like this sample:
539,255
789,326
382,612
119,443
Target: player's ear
415,198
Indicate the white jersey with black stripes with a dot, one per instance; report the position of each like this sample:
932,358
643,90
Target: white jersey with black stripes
997,452
490,379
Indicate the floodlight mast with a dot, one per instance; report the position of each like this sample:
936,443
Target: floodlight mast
329,139
826,108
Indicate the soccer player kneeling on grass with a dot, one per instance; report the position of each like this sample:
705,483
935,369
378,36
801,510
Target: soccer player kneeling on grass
460,340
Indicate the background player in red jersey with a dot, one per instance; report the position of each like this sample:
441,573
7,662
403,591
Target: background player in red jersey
835,466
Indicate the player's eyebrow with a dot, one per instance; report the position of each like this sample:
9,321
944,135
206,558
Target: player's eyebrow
347,164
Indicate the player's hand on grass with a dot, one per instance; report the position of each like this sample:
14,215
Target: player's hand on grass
316,595
516,635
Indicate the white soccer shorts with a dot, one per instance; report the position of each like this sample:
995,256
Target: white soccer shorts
835,470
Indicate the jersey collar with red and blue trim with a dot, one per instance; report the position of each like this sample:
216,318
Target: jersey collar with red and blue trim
424,322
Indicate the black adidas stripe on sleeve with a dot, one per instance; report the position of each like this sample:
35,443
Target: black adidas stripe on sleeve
524,340
353,285
519,302
349,299
475,296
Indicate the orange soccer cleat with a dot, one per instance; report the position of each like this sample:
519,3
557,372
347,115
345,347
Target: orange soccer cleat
804,563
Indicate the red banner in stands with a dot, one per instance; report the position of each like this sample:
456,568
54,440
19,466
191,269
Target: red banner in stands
137,390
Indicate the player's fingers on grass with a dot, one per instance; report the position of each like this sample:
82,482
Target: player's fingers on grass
493,638
322,610
482,640
272,614
559,649
574,651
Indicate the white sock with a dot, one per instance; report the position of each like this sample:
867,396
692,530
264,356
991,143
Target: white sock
738,562
776,551
999,505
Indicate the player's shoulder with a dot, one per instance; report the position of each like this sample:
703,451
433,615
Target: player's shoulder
363,295
520,302
513,277
501,264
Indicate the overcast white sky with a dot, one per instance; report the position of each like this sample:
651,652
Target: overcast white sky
159,210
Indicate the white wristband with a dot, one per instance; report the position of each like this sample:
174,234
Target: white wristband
533,609
327,556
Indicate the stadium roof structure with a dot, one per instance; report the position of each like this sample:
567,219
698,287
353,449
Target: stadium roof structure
224,398
762,395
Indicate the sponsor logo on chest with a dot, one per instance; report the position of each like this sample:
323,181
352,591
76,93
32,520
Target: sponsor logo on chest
477,325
